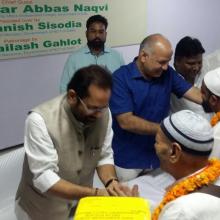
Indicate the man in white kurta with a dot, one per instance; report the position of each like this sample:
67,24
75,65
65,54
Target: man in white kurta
183,145
211,103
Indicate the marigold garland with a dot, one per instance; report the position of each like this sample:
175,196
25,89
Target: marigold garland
215,119
208,175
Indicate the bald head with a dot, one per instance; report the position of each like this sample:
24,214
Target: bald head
153,42
154,56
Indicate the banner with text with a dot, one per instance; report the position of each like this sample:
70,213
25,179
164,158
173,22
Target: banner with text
40,27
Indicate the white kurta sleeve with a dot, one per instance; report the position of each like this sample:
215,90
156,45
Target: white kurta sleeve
216,147
41,154
107,152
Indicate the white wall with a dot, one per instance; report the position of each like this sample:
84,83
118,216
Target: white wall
176,19
25,83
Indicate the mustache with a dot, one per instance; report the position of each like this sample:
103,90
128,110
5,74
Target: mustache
96,39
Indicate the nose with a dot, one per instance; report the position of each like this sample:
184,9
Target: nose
197,68
98,114
97,34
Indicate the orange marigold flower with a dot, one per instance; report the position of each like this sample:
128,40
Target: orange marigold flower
215,119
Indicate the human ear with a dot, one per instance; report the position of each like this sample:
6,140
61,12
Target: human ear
86,33
144,56
213,100
72,96
175,152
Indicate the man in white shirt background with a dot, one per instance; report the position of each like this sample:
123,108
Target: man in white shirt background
188,61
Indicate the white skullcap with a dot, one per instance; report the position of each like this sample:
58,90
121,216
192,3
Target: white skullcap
212,81
193,132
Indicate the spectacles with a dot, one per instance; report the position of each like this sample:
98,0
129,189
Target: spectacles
92,110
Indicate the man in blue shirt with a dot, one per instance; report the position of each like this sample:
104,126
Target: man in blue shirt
95,52
140,101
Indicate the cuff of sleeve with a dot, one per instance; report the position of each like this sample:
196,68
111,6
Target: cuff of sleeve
186,89
105,161
46,180
120,111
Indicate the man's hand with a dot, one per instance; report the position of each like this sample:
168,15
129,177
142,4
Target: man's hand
102,192
131,192
118,189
